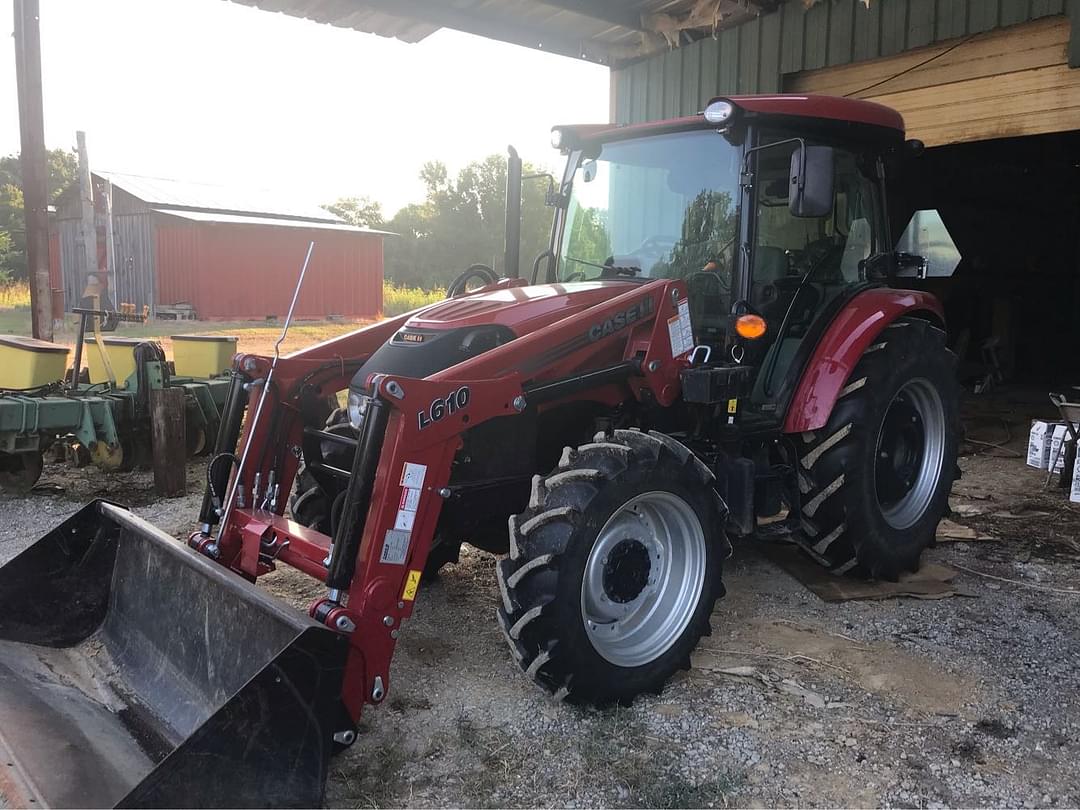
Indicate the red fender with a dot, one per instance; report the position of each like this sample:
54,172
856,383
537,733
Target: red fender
848,336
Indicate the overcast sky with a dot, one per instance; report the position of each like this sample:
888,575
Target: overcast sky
213,91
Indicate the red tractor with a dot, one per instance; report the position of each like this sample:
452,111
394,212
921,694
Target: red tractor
713,338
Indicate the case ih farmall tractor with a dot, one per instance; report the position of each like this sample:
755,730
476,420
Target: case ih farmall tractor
714,337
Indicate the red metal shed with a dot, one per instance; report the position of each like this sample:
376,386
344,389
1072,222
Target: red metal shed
229,253
236,266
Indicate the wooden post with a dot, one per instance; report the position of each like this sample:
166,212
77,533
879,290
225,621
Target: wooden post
168,427
35,179
110,248
87,226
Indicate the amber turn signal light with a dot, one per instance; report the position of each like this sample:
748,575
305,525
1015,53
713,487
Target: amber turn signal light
750,327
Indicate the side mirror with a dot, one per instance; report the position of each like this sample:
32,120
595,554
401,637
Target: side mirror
811,191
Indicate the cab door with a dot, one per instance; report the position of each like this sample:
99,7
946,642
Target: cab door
803,268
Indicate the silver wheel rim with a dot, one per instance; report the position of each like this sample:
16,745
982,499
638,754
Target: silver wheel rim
917,404
657,542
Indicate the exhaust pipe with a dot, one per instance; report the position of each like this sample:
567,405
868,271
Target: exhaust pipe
512,228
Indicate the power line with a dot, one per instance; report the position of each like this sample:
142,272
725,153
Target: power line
916,66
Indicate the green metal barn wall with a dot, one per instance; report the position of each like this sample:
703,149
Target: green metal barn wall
753,57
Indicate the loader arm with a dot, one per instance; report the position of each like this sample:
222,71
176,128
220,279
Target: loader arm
402,464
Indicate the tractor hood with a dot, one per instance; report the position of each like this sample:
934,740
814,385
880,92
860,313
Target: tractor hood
452,331
522,309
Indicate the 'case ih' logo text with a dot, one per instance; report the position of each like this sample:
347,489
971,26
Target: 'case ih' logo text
620,320
441,408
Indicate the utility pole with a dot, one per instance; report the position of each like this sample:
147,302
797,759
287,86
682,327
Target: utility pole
33,161
87,225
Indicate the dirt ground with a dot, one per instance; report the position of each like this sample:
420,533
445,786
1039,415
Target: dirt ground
255,337
964,701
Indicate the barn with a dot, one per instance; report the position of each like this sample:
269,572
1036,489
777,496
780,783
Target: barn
225,253
992,87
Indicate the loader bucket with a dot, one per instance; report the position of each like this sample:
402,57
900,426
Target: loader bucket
135,672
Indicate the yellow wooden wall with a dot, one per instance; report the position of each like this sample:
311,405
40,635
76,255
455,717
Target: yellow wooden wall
996,84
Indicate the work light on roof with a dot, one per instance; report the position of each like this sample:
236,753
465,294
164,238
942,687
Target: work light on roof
719,112
557,138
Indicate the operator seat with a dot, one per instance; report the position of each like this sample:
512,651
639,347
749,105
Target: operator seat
770,265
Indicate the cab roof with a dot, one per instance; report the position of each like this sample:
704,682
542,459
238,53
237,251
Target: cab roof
832,108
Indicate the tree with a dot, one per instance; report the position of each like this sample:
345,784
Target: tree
360,211
63,168
5,254
589,239
461,222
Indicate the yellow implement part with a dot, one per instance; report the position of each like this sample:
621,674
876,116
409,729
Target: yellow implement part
202,355
29,363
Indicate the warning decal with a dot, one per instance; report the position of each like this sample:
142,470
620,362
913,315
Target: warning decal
412,480
680,331
411,584
412,475
395,548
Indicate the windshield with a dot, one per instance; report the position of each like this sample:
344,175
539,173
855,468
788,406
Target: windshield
659,207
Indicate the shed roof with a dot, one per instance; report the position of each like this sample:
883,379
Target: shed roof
183,194
250,219
603,31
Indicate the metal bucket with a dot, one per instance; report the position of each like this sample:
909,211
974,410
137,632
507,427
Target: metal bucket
137,673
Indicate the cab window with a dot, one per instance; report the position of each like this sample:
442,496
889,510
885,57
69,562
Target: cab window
800,264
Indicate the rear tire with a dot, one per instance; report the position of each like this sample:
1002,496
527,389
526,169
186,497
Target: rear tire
876,479
625,537
310,505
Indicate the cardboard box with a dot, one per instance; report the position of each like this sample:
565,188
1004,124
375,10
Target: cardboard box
1038,454
1074,492
1057,452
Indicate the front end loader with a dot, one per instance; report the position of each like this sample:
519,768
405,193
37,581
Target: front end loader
714,347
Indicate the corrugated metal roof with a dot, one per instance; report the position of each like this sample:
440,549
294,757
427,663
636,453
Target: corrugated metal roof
248,219
603,31
184,194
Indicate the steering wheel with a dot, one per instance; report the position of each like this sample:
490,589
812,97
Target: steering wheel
657,242
577,275
814,256
655,248
480,271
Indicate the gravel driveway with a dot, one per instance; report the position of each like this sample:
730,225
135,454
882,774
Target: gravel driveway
792,701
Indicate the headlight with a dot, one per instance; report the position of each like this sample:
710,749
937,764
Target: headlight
358,404
719,111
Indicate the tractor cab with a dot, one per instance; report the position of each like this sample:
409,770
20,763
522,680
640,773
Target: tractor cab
771,209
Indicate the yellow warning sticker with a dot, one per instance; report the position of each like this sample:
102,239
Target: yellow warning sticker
732,406
411,584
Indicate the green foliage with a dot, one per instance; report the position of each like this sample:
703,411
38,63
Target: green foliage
589,239
461,222
399,300
360,211
5,259
708,235
63,168
12,232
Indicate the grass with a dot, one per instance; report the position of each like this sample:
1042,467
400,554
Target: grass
15,295
255,336
398,300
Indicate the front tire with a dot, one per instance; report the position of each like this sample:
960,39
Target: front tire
614,568
875,480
